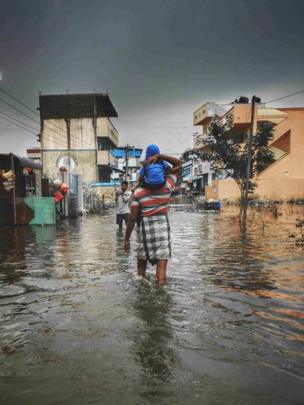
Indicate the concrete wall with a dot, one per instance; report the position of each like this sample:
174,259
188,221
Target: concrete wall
54,134
224,190
282,189
82,134
85,163
106,193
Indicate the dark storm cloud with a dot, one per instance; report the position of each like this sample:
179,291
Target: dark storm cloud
159,60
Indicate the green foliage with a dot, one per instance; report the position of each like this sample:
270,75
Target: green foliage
227,154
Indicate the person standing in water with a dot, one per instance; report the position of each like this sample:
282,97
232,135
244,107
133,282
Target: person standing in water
123,197
154,237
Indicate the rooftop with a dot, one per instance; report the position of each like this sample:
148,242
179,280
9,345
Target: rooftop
76,106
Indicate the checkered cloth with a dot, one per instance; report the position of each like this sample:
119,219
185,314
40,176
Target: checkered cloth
154,239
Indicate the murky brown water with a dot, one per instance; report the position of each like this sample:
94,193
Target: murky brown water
78,328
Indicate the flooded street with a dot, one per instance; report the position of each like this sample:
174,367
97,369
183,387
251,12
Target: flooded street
77,326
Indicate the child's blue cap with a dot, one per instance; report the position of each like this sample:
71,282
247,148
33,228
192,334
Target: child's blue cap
151,150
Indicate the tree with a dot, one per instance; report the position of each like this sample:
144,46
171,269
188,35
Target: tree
227,154
190,154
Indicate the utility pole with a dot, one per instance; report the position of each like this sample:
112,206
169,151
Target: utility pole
65,174
254,100
127,149
94,121
14,189
127,161
68,127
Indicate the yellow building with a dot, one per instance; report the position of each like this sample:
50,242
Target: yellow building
282,180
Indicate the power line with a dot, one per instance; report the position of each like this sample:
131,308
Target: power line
20,126
19,111
80,143
283,97
18,101
20,122
49,123
30,109
124,124
37,122
26,106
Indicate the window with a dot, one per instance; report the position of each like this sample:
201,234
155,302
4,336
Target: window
104,174
104,143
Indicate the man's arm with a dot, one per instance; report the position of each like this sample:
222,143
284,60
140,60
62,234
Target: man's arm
170,159
175,170
117,193
130,227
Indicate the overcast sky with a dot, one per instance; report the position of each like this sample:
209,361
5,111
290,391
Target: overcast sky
159,60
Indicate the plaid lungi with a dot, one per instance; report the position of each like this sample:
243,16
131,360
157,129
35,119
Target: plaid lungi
154,239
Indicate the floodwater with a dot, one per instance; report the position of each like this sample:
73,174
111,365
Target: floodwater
77,327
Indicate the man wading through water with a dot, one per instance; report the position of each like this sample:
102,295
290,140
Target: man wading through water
123,197
153,204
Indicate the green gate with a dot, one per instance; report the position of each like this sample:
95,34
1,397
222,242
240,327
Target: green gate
44,210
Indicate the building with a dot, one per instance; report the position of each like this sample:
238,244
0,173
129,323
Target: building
34,154
186,175
196,173
77,134
283,179
203,117
127,168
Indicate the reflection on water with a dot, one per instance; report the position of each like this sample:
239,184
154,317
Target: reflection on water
78,327
153,334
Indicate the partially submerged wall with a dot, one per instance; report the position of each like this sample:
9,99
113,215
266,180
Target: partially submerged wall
279,189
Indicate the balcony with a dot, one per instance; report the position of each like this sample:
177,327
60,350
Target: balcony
105,129
240,115
104,158
113,133
199,140
206,113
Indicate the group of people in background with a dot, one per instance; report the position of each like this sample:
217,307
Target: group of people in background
147,204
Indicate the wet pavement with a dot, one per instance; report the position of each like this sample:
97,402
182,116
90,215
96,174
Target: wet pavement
77,327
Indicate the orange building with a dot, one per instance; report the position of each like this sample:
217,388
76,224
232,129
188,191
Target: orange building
283,179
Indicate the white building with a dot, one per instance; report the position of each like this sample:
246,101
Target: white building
132,165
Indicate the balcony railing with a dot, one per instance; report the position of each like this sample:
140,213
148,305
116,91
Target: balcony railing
113,133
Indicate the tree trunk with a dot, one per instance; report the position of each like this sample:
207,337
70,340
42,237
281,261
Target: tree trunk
243,210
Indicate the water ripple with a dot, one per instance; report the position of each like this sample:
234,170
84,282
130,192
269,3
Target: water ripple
73,315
